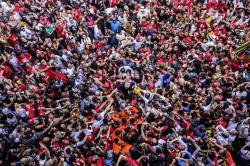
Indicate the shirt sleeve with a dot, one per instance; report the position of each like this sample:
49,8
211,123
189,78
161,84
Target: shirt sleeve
80,143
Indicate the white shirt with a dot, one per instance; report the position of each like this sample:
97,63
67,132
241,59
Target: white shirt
108,11
245,154
70,71
22,112
121,36
207,108
97,32
231,125
97,123
142,13
13,61
243,130
5,7
5,111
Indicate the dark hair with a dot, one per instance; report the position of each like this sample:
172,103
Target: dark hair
116,140
10,115
152,159
68,150
117,132
124,120
132,121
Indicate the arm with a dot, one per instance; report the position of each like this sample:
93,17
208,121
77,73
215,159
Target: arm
174,140
179,158
110,104
110,95
162,97
45,147
99,133
46,130
142,133
216,144
63,99
108,133
219,127
121,157
103,104
139,159
193,142
82,142
197,147
156,129
40,126
235,7
173,162
247,145
178,115
50,110
48,67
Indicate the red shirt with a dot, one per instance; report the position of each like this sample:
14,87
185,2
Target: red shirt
108,145
59,31
30,70
21,87
76,14
17,8
234,66
211,4
31,110
202,26
222,123
190,133
24,58
12,40
114,2
100,162
132,162
99,45
6,71
145,24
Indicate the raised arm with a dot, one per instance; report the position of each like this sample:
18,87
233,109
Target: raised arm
143,134
121,157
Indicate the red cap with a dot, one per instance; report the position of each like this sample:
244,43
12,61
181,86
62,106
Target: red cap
134,102
151,85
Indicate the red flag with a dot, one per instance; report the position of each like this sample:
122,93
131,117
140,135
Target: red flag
189,3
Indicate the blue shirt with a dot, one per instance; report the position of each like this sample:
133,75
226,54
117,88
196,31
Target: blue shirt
115,25
198,133
165,79
186,109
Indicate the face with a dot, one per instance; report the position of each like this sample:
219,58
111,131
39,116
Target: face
154,141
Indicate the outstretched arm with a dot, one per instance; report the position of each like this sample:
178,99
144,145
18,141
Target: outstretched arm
142,133
121,157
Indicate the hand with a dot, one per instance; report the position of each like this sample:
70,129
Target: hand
212,140
174,112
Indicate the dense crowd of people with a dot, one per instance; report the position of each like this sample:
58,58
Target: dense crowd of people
124,82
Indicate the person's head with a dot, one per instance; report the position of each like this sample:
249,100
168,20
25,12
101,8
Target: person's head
154,141
124,120
10,116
